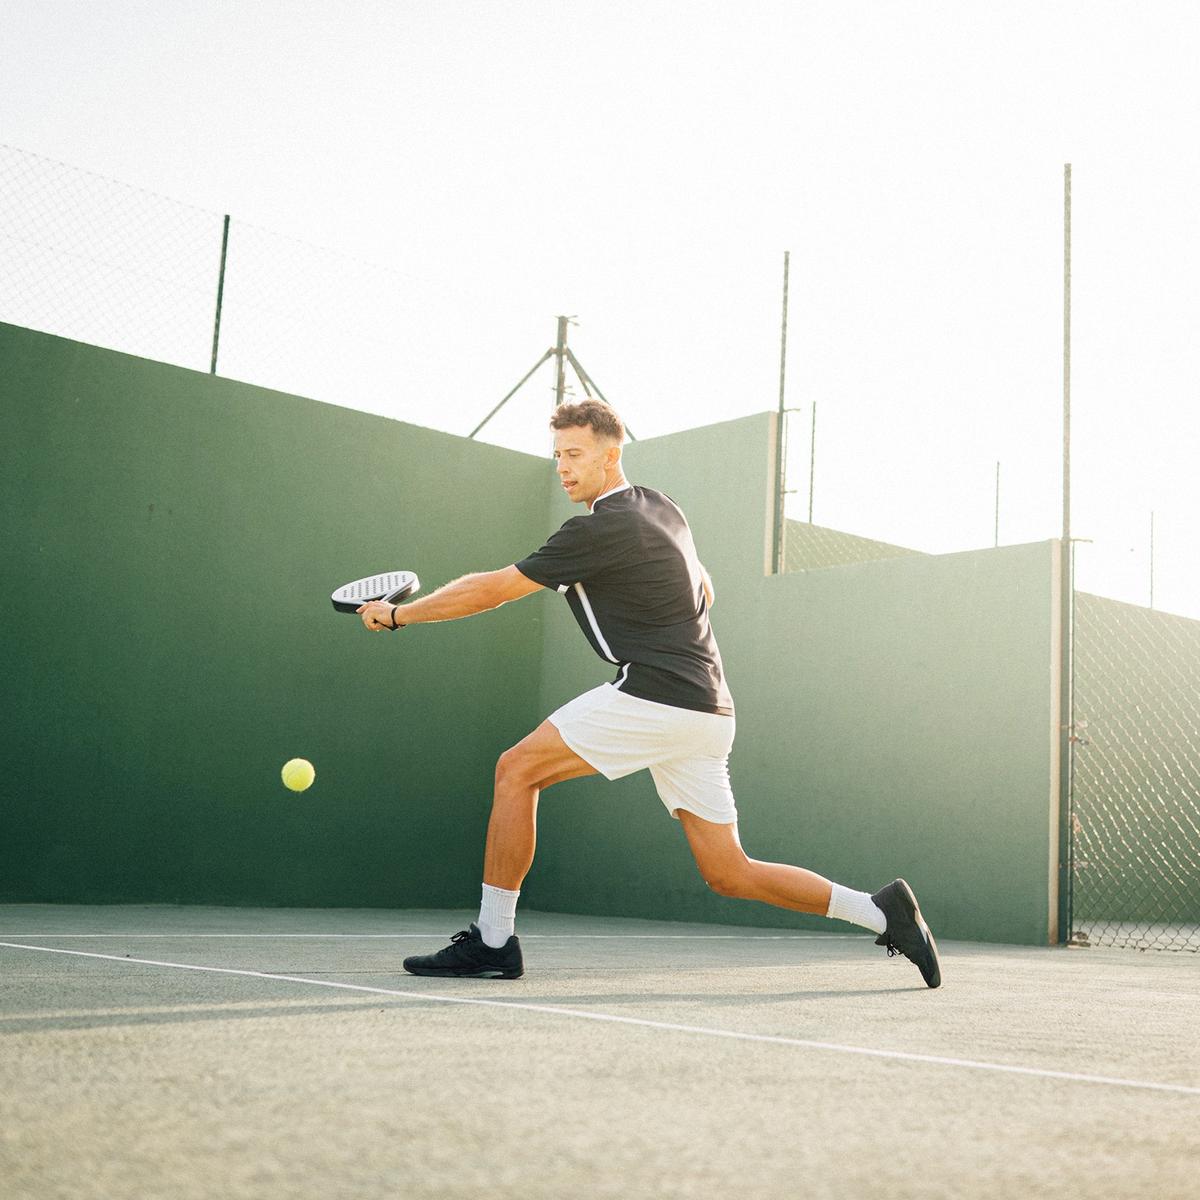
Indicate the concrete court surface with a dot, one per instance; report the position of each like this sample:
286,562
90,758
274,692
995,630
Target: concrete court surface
138,1076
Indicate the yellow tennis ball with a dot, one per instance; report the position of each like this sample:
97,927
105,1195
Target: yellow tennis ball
298,774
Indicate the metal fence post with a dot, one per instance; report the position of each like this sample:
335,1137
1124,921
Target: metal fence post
1066,838
780,435
220,295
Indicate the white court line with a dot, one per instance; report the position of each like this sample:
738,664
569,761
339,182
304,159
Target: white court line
583,1015
689,937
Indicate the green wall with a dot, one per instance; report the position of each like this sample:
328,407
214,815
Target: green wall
170,543
894,718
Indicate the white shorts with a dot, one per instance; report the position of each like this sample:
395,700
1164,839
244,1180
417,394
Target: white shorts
686,752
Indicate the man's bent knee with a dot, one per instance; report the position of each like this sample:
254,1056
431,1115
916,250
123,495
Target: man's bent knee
515,768
722,886
730,879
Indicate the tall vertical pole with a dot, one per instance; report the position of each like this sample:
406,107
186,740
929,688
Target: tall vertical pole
1066,479
560,350
1066,840
780,429
996,543
220,295
812,462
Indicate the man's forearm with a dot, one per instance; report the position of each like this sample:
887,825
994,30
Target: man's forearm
460,598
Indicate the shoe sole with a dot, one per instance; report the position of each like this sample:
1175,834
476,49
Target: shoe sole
486,973
936,981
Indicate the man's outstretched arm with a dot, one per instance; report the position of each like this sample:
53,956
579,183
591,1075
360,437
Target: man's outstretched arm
460,598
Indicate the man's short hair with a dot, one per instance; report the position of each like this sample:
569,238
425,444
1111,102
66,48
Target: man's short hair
603,420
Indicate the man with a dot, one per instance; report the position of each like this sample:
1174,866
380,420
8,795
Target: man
630,573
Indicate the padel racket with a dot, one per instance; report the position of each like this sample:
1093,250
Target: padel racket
391,587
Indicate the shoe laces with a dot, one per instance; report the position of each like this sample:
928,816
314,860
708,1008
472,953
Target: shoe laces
892,948
451,952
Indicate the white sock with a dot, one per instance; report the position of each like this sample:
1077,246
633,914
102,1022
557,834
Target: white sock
856,907
497,916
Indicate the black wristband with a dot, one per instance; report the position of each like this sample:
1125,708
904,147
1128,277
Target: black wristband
395,624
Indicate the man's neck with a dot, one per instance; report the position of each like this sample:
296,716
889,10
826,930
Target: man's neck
610,486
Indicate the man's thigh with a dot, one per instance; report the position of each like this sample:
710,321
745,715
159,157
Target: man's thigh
543,758
716,848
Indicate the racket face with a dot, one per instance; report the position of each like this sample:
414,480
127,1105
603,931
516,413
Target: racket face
388,586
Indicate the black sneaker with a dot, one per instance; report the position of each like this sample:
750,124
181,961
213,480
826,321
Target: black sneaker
468,955
906,931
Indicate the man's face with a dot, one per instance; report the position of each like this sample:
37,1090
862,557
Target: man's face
583,462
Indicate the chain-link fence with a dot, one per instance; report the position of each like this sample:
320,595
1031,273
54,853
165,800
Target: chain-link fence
1135,806
302,319
99,261
102,262
808,547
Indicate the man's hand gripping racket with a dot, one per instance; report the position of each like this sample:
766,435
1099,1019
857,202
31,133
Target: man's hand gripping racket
377,598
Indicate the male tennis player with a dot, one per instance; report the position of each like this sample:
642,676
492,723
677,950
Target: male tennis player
629,571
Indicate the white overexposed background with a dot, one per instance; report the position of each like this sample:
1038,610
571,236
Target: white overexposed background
643,167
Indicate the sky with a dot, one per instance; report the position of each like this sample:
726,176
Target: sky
476,169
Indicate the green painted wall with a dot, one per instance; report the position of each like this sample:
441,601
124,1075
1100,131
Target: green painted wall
894,718
170,543
170,540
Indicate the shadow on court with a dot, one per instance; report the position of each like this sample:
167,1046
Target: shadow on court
132,1020
146,1052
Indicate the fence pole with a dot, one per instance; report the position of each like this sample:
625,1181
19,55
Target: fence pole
780,426
560,378
812,463
220,295
1066,839
996,542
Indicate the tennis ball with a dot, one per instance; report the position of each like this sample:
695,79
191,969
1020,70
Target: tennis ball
298,774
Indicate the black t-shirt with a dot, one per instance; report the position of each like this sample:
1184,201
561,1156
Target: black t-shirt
630,573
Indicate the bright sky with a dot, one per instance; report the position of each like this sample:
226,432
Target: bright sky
645,165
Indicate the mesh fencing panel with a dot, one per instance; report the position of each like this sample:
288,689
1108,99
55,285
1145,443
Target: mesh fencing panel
812,547
1136,777
98,261
305,320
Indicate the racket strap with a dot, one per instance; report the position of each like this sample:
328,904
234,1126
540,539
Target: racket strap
395,624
